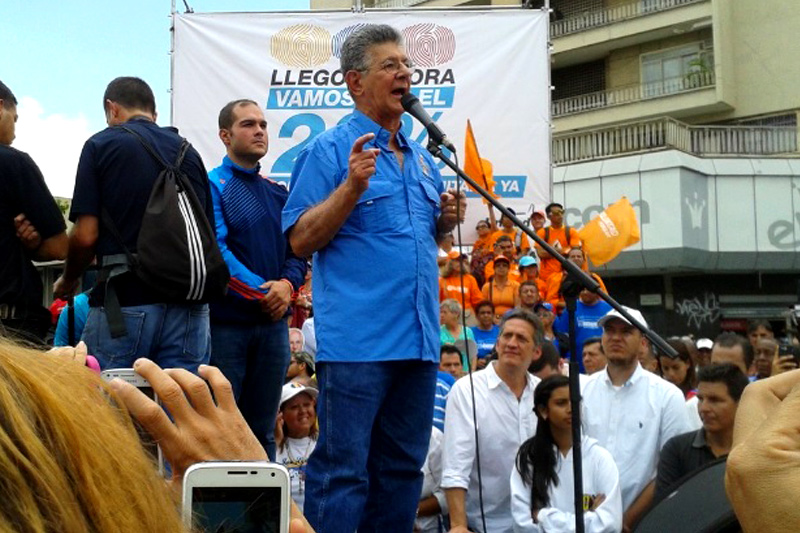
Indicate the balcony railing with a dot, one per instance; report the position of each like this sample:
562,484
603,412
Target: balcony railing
633,93
665,133
610,15
397,3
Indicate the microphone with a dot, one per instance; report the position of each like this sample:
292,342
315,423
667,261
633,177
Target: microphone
414,108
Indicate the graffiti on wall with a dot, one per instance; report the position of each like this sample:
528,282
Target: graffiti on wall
698,311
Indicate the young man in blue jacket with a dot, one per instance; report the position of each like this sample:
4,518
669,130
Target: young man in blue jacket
249,333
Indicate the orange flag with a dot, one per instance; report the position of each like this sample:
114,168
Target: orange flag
476,168
610,232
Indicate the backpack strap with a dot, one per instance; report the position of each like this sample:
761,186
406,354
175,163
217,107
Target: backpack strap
547,234
116,264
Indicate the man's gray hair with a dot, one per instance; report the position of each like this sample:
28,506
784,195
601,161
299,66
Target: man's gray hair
452,305
356,47
530,318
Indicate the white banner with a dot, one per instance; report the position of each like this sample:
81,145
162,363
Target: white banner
487,66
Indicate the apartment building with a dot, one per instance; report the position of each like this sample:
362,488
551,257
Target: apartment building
688,108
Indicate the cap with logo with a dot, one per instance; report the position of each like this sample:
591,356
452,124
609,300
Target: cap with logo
292,389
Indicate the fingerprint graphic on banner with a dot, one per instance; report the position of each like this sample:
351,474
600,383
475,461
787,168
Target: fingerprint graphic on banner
429,45
301,45
342,35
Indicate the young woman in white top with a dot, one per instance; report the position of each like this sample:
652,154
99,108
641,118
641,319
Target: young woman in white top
296,434
542,485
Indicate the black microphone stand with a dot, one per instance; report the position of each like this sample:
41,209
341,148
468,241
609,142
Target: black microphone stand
581,281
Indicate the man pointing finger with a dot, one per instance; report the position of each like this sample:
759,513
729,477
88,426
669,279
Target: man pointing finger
367,202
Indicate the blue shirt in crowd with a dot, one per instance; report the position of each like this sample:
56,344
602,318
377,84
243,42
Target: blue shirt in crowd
485,339
586,317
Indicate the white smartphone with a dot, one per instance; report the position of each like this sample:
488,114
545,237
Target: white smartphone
129,375
246,497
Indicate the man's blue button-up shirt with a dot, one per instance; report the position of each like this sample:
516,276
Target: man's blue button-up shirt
376,281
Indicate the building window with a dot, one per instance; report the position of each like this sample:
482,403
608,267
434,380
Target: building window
676,69
579,79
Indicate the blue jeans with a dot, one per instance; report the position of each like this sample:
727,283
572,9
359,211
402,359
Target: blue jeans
255,359
172,335
375,425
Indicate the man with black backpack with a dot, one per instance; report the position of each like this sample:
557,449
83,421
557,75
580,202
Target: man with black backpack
250,334
142,207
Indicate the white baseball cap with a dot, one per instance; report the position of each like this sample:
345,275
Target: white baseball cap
705,344
616,314
292,389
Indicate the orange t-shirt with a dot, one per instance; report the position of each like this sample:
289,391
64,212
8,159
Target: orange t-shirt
513,271
554,284
524,244
450,287
503,299
550,265
484,245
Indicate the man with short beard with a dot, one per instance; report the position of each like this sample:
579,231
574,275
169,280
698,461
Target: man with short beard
632,413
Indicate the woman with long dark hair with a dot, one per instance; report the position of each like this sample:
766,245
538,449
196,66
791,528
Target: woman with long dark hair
680,370
542,487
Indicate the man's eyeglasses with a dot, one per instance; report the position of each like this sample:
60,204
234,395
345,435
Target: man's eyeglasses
392,66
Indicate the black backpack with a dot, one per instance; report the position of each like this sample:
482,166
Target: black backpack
176,251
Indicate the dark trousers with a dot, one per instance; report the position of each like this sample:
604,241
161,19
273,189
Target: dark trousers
254,358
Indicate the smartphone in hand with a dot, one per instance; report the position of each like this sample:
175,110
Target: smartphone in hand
129,375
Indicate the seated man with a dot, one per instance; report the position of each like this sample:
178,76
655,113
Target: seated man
765,351
450,369
588,310
503,247
518,239
719,389
732,348
528,296
301,369
504,398
549,363
485,332
529,271
594,359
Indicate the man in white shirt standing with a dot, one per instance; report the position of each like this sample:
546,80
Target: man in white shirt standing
504,401
631,412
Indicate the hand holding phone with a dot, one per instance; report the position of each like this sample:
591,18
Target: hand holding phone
202,430
236,496
786,359
129,375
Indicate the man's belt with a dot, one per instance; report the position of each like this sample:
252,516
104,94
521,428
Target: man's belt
10,312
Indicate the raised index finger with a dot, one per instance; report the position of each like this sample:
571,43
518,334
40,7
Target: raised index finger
358,146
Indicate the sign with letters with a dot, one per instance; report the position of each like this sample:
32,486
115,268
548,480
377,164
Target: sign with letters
489,66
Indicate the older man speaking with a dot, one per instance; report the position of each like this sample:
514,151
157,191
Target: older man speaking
368,202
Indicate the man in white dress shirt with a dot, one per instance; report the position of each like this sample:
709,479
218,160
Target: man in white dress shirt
504,401
631,412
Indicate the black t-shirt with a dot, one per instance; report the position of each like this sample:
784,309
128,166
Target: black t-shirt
116,172
23,190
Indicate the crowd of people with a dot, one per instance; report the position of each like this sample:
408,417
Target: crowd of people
382,425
